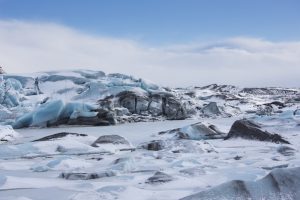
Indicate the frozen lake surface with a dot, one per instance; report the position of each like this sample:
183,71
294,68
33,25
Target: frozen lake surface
32,170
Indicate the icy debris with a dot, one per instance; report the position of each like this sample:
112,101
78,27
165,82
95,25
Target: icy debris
111,192
7,134
61,163
10,92
277,185
125,164
193,171
249,130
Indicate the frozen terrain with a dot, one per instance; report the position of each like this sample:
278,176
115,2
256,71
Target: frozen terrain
87,135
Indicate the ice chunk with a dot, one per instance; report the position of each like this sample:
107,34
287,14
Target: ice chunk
7,133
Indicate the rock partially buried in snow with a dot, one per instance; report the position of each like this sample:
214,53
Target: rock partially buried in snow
198,131
59,136
249,130
154,145
286,150
85,176
159,177
280,184
110,139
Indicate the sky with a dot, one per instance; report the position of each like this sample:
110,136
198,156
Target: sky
171,42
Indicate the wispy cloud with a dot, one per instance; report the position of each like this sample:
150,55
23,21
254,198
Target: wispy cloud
32,46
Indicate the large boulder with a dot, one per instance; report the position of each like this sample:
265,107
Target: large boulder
279,184
247,129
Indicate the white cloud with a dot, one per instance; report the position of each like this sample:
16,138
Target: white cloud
31,46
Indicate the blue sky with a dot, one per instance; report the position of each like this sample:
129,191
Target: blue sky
166,21
171,42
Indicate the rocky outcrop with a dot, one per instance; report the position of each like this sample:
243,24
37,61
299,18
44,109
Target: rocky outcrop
278,185
156,104
249,130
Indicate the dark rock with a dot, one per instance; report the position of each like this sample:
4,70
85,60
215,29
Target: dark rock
85,176
276,167
88,121
296,112
173,109
249,130
279,184
134,102
105,115
279,104
159,177
156,105
286,150
106,103
110,139
155,145
269,91
58,136
265,110
237,158
2,70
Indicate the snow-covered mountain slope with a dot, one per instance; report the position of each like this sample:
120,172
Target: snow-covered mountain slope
85,97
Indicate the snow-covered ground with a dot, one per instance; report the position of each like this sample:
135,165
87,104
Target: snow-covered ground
31,170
